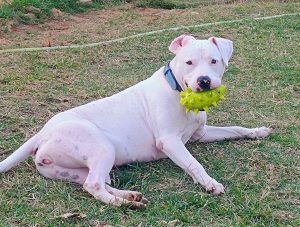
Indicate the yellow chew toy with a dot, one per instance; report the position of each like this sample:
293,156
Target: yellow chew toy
198,101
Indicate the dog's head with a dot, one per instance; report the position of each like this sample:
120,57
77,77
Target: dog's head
200,64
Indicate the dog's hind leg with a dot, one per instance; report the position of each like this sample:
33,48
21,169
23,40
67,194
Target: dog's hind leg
99,169
92,181
95,185
125,194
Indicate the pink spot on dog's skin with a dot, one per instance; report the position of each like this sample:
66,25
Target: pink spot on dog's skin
97,187
74,177
46,161
64,174
160,145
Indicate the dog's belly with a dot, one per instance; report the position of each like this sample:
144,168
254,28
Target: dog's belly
137,153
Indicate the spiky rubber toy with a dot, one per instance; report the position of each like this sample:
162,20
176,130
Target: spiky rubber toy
199,101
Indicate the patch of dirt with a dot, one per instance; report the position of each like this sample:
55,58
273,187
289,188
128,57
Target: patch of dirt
81,28
5,42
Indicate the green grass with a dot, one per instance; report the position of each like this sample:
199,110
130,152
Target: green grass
43,8
178,4
262,176
162,4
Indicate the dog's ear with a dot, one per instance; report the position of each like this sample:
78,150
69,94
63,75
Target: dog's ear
179,42
225,47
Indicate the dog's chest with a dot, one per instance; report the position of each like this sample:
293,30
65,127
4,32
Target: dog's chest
194,122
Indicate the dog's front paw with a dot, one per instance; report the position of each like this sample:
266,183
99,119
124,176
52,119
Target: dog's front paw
261,132
215,187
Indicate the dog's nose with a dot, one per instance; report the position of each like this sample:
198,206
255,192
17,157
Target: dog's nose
204,82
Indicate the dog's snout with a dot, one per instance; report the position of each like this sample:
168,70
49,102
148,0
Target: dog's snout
204,82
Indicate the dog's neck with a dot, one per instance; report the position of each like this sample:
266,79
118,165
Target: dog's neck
171,79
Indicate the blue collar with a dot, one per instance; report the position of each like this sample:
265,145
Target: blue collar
171,78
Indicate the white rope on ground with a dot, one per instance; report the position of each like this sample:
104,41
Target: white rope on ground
30,49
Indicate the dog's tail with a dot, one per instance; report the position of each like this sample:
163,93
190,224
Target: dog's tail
19,155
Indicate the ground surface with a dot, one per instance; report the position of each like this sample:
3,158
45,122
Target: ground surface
262,177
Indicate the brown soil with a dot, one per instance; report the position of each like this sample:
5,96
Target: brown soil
94,26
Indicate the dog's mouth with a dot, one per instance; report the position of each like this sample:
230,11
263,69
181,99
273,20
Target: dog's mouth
198,89
191,87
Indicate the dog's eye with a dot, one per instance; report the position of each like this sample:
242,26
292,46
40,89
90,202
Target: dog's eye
213,61
189,62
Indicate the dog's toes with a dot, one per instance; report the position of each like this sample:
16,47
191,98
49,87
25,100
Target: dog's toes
215,188
134,196
141,198
137,197
263,132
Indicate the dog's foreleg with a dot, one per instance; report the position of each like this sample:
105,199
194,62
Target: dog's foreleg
212,133
174,148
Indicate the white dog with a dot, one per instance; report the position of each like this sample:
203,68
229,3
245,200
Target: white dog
142,123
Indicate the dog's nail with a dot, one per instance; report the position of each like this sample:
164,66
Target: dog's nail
144,200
